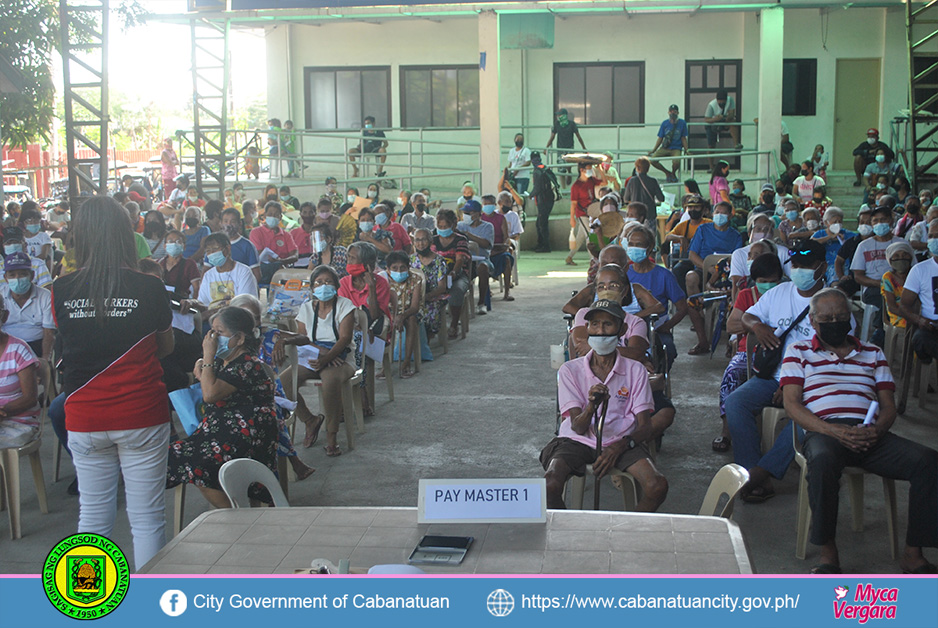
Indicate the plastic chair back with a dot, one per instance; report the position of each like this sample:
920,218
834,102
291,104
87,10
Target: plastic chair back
727,481
237,475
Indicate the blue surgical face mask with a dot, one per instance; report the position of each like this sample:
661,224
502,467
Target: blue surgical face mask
933,246
174,249
223,350
444,233
366,226
33,228
10,249
791,216
488,209
720,220
803,278
216,259
271,222
381,219
20,285
399,277
737,191
325,292
637,254
881,229
350,198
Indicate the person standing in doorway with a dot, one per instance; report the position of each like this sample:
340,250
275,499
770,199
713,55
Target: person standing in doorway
564,129
721,110
672,142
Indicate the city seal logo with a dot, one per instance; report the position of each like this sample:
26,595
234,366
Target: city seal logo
86,576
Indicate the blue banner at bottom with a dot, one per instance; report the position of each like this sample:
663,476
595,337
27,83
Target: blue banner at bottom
752,601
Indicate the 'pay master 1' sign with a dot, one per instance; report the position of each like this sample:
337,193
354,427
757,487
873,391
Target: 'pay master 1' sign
482,501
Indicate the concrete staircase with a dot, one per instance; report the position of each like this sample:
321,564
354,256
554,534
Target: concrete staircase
840,190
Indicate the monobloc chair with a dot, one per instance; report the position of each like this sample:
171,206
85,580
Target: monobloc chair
771,417
624,481
398,340
10,461
729,480
236,476
855,479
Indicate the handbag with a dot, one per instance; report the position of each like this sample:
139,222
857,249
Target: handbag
765,361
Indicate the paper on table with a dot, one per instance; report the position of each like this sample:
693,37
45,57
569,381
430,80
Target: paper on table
375,349
306,353
267,256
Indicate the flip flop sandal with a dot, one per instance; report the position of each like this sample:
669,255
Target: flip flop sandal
508,298
721,444
825,568
758,495
332,451
312,430
699,350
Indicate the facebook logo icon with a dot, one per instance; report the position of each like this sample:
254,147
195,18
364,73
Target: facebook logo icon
173,602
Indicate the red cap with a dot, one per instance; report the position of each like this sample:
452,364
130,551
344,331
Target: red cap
872,131
135,197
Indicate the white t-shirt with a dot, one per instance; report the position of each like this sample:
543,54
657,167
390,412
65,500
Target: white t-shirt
779,307
805,188
219,288
871,257
514,223
35,243
517,158
324,333
713,107
918,232
923,281
52,216
741,256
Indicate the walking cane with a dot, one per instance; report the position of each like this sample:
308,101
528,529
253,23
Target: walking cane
600,422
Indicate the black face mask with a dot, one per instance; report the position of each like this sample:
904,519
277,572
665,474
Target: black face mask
519,143
425,252
834,333
804,173
767,198
780,191
192,222
695,214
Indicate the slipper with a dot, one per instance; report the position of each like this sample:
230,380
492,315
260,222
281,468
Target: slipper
452,335
927,568
570,262
758,495
305,474
407,373
699,350
332,451
312,431
825,568
508,298
721,444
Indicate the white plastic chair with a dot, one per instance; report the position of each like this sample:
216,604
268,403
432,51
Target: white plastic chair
727,481
624,481
398,341
237,475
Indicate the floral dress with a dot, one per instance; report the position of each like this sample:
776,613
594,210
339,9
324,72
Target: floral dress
435,272
242,425
380,235
404,291
338,261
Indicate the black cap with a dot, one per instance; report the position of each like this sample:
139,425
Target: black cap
607,306
674,108
807,253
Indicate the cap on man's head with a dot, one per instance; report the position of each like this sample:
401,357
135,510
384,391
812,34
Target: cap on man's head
807,253
17,261
607,306
873,132
768,187
561,112
674,108
694,199
471,206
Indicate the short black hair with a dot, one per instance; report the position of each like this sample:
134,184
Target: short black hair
213,208
231,211
883,210
367,118
218,238
766,265
395,257
721,94
323,202
640,208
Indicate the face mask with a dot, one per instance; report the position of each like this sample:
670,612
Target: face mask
865,230
609,209
926,202
871,140
695,214
818,200
350,198
780,191
20,285
284,197
629,219
271,222
372,193
672,116
325,215
355,269
174,249
590,173
232,232
519,143
366,227
381,219
10,249
737,191
488,210
369,125
216,259
325,292
637,254
804,173
758,235
901,266
803,278
834,333
420,208
767,198
563,120
223,349
330,188
880,186
792,216
399,277
933,246
603,345
880,159
33,229
192,222
765,286
835,228
812,225
399,200
444,233
609,295
720,220
881,229
424,252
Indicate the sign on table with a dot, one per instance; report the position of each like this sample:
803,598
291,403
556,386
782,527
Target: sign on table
519,500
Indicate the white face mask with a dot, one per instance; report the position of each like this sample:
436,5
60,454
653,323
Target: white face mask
812,225
871,140
603,345
865,230
835,228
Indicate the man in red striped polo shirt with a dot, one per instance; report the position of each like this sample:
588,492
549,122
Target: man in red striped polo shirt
829,384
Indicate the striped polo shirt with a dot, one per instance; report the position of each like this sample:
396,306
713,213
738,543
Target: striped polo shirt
836,387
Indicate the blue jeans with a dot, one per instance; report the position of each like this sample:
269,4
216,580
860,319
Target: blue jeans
521,185
742,406
57,418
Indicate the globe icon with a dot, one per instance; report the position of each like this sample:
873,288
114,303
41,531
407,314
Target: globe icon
500,603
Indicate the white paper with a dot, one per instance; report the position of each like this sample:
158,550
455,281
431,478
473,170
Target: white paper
669,199
267,256
184,322
305,353
375,349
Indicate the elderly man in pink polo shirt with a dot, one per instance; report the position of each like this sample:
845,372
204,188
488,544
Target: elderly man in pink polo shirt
585,385
270,235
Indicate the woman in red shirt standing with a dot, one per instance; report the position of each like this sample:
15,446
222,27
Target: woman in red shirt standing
582,195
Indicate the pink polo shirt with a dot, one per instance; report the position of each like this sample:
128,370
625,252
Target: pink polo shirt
359,298
279,241
634,326
629,394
